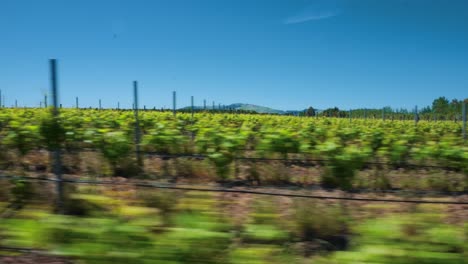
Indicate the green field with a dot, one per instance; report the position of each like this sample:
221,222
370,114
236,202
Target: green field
124,223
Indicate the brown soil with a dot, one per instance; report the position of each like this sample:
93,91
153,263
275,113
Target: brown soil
33,259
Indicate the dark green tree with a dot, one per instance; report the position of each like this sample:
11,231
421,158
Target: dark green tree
310,111
440,105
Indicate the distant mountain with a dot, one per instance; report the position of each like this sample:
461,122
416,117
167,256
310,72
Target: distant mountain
252,107
256,108
264,109
245,107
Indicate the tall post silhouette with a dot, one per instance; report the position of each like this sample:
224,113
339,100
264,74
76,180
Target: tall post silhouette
57,162
191,107
464,113
137,125
174,103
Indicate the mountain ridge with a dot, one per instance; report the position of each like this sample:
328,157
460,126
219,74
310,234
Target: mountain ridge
249,107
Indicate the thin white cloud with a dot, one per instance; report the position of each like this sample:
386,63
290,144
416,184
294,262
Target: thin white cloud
305,18
317,10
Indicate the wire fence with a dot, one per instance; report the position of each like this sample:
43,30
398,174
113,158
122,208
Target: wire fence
346,197
304,162
25,250
284,187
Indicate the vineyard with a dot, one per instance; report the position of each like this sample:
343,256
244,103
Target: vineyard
111,213
233,144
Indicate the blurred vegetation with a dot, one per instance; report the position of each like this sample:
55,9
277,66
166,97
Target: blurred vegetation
410,238
125,225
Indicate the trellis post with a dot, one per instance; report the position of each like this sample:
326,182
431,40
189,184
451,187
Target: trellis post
137,125
191,107
174,103
416,117
464,112
57,162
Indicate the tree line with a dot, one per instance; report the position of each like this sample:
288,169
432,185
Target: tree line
441,109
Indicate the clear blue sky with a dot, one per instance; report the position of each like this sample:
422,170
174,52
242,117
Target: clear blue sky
286,54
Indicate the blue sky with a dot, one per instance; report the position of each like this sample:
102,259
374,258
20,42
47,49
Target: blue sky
286,54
